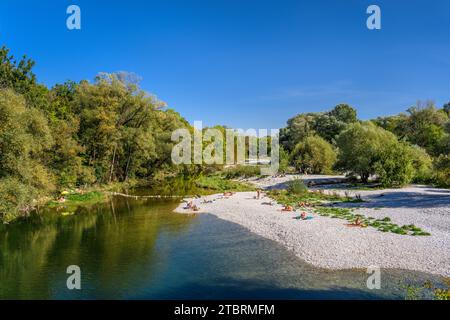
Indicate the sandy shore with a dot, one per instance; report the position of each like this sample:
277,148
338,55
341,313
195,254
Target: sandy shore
329,243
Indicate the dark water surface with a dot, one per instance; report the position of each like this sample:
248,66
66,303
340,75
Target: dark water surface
140,249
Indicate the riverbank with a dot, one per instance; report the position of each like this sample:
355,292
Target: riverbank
330,243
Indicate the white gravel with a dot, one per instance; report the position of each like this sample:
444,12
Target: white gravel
329,243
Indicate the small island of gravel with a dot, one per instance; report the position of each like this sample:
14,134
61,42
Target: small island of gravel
330,243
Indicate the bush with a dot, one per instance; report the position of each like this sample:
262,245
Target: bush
297,187
395,167
360,147
217,183
284,160
242,171
14,196
441,176
314,155
422,164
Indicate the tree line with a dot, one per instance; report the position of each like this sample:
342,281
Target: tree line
410,147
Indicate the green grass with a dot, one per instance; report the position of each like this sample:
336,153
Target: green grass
312,197
221,184
242,171
77,199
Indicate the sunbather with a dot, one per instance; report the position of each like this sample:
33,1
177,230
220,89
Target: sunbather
288,208
304,204
189,205
357,223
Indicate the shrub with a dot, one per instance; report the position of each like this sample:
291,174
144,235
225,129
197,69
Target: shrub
14,196
242,171
395,167
314,155
360,146
366,149
296,186
422,164
441,176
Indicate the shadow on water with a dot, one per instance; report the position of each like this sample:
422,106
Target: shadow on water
130,249
231,289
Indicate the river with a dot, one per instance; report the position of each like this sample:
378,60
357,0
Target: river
140,249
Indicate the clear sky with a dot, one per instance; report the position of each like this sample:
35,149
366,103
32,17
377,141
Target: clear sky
245,63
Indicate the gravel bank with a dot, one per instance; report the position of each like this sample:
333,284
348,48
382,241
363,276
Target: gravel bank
329,243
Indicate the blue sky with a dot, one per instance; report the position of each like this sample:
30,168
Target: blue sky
245,63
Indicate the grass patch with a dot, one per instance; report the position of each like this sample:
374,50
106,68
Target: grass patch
296,193
76,199
242,172
221,184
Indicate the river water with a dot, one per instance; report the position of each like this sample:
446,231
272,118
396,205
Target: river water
140,249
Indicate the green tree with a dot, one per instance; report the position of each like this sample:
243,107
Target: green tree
314,155
344,113
360,147
425,126
24,139
18,75
327,125
422,164
446,108
441,173
366,149
298,128
394,166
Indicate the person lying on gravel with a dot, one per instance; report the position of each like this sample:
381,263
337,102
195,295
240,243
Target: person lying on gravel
288,208
357,223
227,194
304,204
303,216
189,205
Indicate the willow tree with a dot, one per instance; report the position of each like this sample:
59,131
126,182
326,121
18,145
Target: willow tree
360,148
24,139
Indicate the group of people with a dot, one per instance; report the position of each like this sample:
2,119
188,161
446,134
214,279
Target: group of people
287,208
191,206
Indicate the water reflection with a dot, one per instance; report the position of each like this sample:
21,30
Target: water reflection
114,244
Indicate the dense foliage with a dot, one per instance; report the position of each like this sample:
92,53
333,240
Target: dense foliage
314,155
76,135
